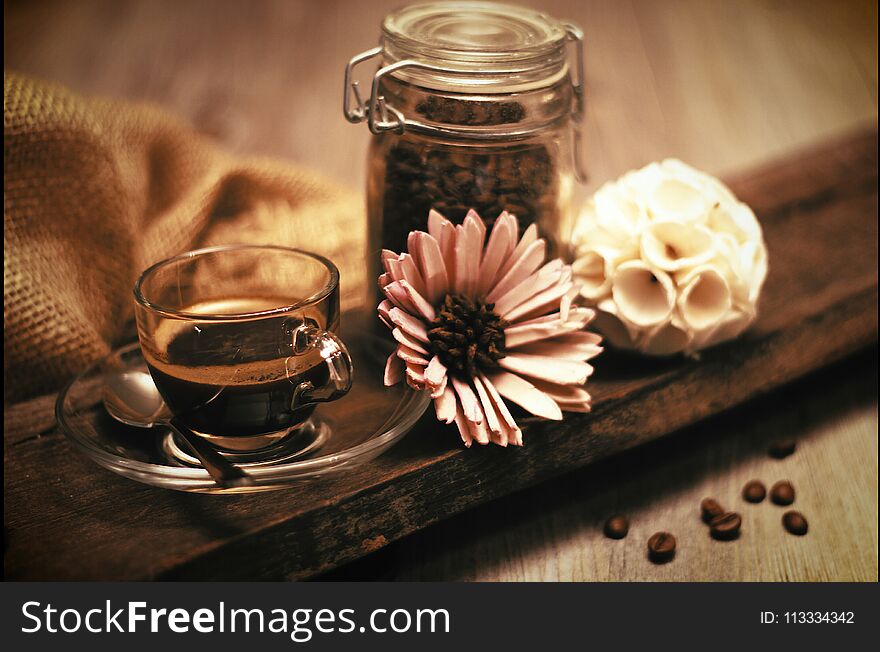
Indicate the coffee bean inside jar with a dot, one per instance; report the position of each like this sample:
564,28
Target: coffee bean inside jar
475,106
420,175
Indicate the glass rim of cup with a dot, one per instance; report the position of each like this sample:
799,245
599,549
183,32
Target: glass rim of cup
173,313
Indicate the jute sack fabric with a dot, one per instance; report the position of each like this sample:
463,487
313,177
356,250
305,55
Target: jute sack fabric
95,190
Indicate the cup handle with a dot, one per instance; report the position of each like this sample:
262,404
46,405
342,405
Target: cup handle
307,337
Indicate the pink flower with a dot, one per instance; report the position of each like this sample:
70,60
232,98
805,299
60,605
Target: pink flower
475,325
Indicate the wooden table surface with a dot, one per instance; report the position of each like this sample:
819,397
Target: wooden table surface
720,84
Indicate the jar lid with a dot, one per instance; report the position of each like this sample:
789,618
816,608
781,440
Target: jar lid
475,48
483,46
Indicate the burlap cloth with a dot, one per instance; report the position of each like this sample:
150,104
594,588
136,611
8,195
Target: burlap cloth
95,190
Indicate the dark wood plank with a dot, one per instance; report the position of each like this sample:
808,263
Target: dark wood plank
66,518
554,531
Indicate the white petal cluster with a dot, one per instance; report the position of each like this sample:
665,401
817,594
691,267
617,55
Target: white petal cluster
672,261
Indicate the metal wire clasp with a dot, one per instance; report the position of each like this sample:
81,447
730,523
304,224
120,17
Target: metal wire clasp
358,114
576,36
378,114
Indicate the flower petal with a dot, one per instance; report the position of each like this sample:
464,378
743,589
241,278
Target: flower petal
385,256
412,241
677,199
517,336
436,221
753,256
736,218
399,297
394,370
520,270
479,431
474,217
524,333
558,348
476,230
614,327
593,268
423,308
562,372
517,438
583,339
734,323
499,438
528,238
501,243
433,268
415,375
392,269
445,405
644,296
435,372
546,276
463,429
672,246
470,405
705,297
569,398
463,276
411,356
526,395
408,324
410,273
668,339
447,250
439,389
512,435
580,315
492,420
499,404
566,303
539,304
384,306
408,340
386,321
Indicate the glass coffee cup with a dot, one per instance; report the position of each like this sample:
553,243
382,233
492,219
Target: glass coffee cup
240,341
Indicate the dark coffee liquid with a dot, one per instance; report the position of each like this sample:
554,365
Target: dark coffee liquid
234,379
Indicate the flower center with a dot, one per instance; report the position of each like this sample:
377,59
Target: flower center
467,336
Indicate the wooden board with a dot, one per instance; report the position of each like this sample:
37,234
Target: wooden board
67,518
553,531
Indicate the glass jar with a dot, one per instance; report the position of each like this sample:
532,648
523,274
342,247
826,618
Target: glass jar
474,106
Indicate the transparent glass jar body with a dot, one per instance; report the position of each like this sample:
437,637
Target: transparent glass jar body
490,153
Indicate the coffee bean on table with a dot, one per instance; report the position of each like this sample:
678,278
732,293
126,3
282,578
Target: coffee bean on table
782,448
726,526
661,547
616,527
754,491
710,508
795,523
782,493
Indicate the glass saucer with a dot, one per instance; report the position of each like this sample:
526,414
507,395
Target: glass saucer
342,435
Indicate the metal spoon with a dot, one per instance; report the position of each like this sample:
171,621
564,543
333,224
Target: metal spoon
132,398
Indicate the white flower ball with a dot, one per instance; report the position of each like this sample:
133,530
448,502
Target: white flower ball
672,261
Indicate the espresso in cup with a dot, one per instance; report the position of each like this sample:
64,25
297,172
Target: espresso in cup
228,379
243,370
